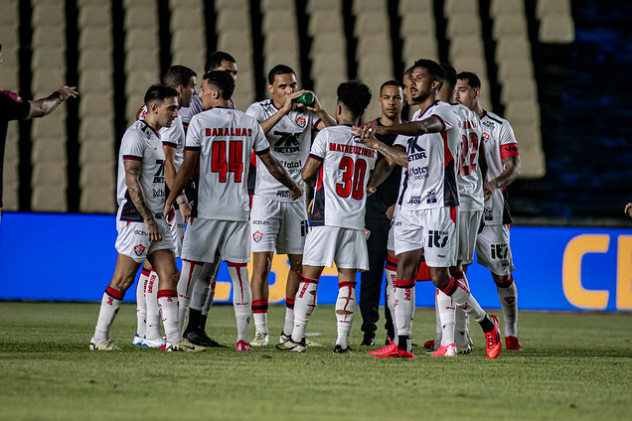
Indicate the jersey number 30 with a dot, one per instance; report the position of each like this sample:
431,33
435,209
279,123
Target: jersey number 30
352,179
223,164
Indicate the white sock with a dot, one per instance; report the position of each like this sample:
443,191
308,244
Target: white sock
141,304
462,325
509,302
345,309
390,270
288,326
168,305
304,305
110,304
438,329
260,314
405,310
445,308
152,331
185,287
462,297
241,298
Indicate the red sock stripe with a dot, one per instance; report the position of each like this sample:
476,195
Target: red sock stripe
452,286
391,263
115,293
351,284
309,280
145,271
167,293
236,265
289,303
259,306
405,283
511,280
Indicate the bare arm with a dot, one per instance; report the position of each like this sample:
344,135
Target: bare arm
396,155
382,170
45,106
271,121
182,178
482,160
279,173
509,174
133,170
431,124
310,169
325,119
170,178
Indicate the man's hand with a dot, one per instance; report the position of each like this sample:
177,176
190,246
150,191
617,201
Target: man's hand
370,190
389,212
290,101
489,188
185,210
154,233
296,192
168,210
315,106
68,92
628,207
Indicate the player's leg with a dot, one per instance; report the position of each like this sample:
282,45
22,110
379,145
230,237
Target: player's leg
164,263
508,296
304,305
405,297
123,278
462,325
153,338
345,307
141,304
261,265
291,288
202,298
185,289
390,271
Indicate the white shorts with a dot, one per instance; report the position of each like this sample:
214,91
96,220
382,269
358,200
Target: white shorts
176,226
434,230
132,239
277,225
469,221
204,237
493,251
345,246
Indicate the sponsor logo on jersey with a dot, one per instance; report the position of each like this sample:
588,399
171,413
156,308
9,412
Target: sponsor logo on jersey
499,251
139,232
260,222
414,200
283,193
367,234
437,238
139,249
489,124
300,121
288,142
415,151
432,197
418,173
158,193
488,214
257,236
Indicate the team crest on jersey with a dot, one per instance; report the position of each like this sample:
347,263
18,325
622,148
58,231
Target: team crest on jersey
300,121
139,249
367,234
257,236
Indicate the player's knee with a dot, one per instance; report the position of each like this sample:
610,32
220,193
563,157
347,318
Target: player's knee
502,281
121,282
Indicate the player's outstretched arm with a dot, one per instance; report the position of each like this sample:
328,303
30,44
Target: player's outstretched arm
183,176
310,169
279,173
431,124
509,174
396,155
44,106
382,170
133,170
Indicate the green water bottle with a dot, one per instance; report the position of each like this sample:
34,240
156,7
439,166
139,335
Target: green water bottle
307,98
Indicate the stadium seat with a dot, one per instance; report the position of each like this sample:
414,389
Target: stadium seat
100,199
362,6
141,60
287,38
9,13
417,24
279,21
372,65
378,44
515,67
273,58
512,47
466,46
329,64
96,105
324,5
277,5
49,14
506,7
557,29
222,5
45,81
142,16
142,39
185,18
233,20
522,111
414,6
321,22
368,23
552,8
98,174
49,198
94,59
50,150
193,39
328,43
47,36
194,6
238,42
98,37
52,58
97,151
419,46
463,25
460,7
51,174
509,25
518,89
92,127
95,16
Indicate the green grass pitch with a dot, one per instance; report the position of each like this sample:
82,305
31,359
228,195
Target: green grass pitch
574,366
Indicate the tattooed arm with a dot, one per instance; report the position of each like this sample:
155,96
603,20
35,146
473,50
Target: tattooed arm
132,181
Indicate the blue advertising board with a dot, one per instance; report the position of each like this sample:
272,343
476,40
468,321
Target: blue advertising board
72,257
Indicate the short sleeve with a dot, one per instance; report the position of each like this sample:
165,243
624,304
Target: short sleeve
507,139
256,111
170,136
261,145
194,135
12,107
446,115
132,146
319,148
402,141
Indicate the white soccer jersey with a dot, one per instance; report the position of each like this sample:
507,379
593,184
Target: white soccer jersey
340,191
431,177
469,176
194,108
141,143
290,141
225,138
500,143
172,137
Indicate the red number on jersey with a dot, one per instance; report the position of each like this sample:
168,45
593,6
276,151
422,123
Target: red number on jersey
352,179
468,144
234,164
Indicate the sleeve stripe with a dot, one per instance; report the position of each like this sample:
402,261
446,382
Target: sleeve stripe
193,148
263,152
318,121
441,120
169,144
132,158
316,157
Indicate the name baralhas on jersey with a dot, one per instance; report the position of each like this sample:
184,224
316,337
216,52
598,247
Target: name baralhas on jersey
227,131
352,149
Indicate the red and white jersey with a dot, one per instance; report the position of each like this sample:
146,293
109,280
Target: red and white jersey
340,191
225,138
469,176
431,176
172,137
141,143
500,143
290,140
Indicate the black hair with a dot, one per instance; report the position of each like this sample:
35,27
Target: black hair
471,79
409,71
223,81
434,69
158,92
355,96
279,69
214,60
178,75
392,82
450,74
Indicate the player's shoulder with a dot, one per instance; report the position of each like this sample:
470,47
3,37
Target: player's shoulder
266,105
493,119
